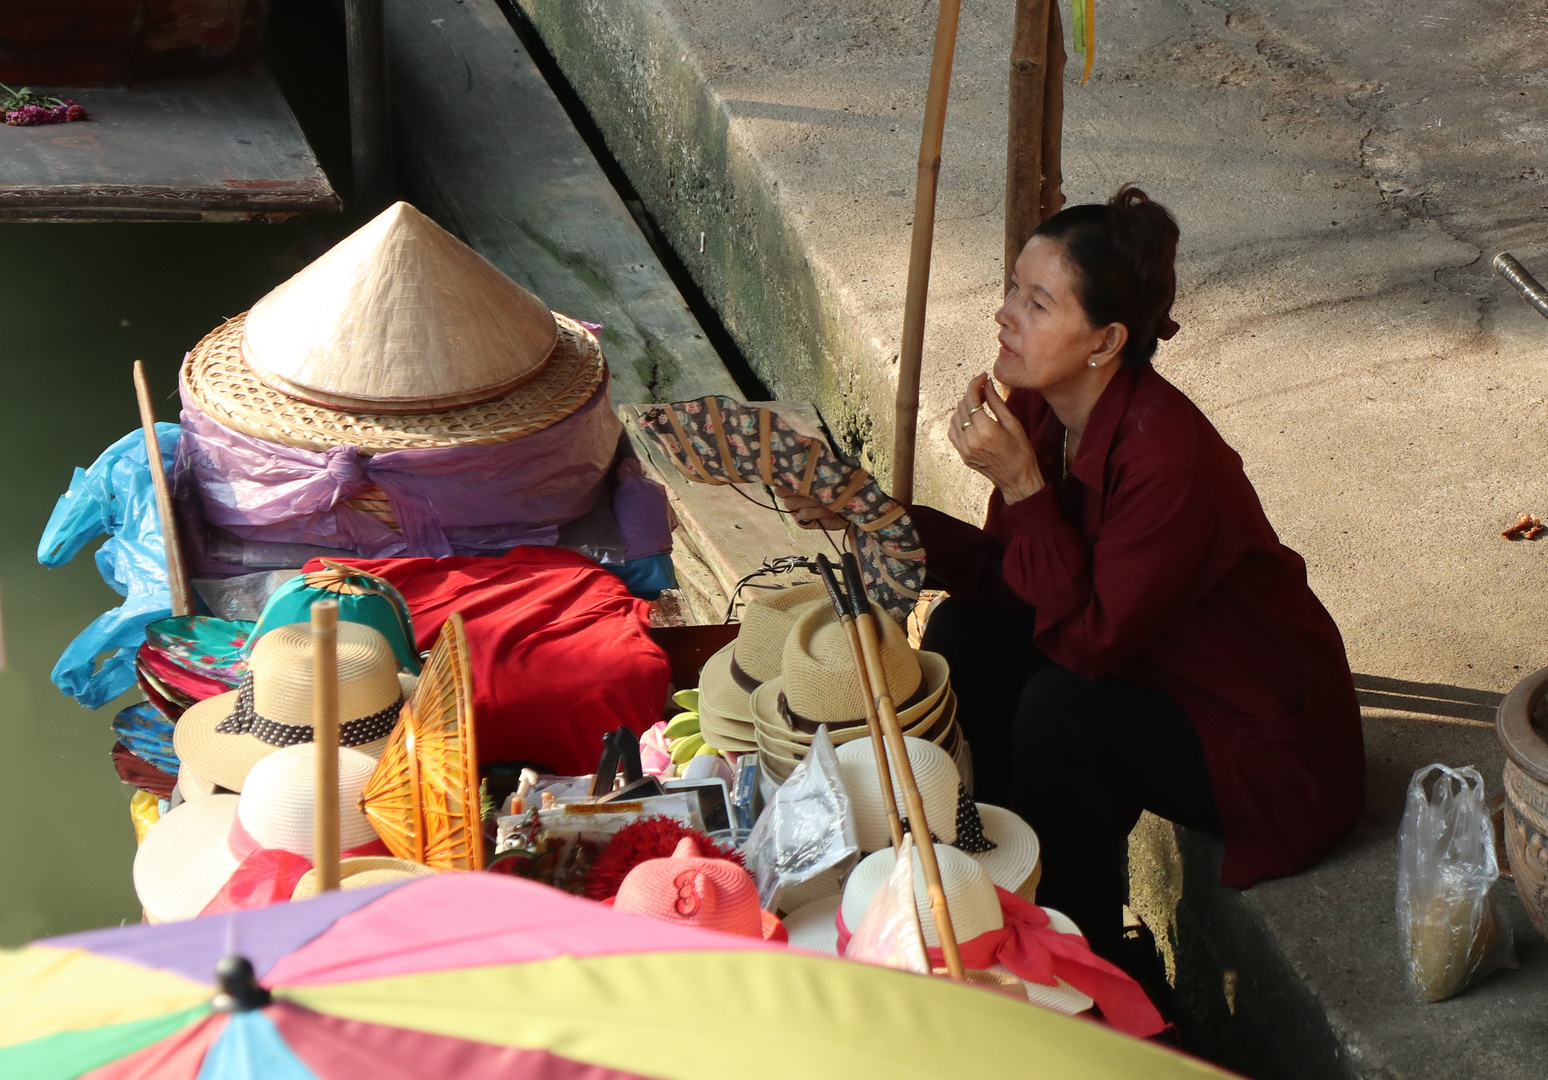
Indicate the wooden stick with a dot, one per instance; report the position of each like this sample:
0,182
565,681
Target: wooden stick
177,570
325,732
870,647
1052,198
844,606
911,355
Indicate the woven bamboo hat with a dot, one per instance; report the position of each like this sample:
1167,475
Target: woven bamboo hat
423,798
362,872
222,737
400,337
970,896
188,855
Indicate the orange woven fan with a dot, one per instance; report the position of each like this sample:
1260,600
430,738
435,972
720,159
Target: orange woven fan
423,796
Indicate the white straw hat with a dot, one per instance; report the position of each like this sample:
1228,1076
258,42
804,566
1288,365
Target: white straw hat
970,896
222,737
188,855
399,337
1012,863
362,872
184,859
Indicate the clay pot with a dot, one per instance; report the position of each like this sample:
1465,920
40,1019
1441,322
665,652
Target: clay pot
1522,723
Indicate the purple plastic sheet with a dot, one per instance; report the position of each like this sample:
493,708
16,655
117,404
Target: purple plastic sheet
459,500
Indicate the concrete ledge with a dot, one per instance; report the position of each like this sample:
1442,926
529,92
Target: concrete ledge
485,147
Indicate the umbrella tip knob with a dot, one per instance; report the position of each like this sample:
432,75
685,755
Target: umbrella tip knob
237,986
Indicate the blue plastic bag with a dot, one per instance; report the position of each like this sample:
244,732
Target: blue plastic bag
114,498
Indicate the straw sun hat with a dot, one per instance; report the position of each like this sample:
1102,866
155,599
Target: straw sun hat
1004,845
221,738
730,676
818,684
970,896
362,873
400,337
188,855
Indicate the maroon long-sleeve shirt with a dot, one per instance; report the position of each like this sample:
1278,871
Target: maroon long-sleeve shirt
1153,561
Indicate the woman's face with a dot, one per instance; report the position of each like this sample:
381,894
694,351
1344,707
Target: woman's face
1046,339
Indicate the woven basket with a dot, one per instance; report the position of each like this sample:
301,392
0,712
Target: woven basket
423,797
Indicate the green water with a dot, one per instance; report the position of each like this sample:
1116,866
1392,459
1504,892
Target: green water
79,303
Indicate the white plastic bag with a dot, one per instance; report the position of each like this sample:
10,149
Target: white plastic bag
806,828
889,935
1451,919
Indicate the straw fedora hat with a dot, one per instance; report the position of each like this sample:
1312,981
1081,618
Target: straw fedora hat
362,872
190,853
729,677
222,737
970,896
400,337
1007,847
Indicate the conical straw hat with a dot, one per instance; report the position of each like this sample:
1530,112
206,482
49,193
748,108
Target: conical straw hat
423,798
400,316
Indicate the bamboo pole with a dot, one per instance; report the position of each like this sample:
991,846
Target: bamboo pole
177,570
325,732
892,730
911,355
1033,177
844,606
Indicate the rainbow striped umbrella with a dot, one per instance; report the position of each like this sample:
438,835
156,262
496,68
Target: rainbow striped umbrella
479,976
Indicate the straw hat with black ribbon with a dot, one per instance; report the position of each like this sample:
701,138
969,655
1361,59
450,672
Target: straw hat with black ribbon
400,337
190,853
817,685
997,839
221,738
976,913
729,677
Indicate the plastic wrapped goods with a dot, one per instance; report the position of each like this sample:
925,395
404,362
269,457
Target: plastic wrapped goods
113,498
1451,921
807,827
465,500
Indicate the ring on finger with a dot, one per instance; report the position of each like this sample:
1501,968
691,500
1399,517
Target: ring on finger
966,424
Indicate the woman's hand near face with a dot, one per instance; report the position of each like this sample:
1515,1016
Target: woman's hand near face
992,441
809,513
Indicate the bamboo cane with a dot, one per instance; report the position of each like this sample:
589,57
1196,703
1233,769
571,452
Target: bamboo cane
325,732
844,607
870,646
911,354
177,570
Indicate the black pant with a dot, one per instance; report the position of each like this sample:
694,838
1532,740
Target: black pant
1078,760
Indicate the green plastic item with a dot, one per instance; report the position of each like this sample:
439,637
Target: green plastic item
363,598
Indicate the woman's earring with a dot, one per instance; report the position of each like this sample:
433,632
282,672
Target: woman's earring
1093,363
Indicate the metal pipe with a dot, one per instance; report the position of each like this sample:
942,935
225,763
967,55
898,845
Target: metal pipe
1507,267
370,116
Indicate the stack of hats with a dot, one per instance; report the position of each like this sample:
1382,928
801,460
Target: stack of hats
1034,953
400,338
219,740
226,852
791,670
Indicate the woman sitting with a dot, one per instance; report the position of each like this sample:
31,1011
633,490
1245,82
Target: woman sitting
1126,632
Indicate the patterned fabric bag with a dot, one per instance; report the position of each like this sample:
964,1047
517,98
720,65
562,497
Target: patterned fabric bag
716,440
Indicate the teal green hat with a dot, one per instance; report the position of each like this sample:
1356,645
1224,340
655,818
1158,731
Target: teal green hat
363,598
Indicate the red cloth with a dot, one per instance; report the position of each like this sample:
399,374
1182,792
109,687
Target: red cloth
1154,561
135,770
268,875
561,654
1035,952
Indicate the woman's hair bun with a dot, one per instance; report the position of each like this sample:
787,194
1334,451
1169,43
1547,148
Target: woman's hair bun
1125,253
